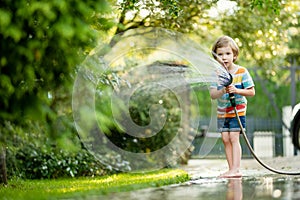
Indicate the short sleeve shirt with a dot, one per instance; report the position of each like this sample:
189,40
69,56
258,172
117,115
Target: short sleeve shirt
242,80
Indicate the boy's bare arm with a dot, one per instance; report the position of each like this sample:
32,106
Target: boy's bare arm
215,93
249,92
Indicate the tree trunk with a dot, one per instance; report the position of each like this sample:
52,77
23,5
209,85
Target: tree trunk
3,174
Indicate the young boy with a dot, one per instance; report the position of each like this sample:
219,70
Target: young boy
226,51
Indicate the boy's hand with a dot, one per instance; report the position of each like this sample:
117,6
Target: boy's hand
231,89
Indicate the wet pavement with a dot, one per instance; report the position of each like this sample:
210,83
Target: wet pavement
256,183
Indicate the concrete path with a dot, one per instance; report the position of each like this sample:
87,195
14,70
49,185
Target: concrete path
257,183
205,168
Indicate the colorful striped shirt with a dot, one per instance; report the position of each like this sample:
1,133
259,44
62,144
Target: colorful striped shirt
241,80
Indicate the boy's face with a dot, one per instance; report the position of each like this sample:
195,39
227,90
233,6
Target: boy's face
226,55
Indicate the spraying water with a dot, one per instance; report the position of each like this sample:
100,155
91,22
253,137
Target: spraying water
150,82
151,86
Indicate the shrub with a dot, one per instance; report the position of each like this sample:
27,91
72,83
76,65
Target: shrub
32,162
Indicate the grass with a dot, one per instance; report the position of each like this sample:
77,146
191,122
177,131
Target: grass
81,188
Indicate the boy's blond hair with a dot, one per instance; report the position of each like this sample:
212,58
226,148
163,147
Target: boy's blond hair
226,41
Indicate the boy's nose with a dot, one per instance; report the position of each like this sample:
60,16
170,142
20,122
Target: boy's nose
223,57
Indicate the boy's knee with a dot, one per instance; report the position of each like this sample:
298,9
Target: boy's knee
234,138
226,139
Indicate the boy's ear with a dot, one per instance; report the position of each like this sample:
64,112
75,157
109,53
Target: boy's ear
235,57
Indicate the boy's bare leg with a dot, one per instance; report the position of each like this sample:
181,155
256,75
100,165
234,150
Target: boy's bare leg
228,152
234,171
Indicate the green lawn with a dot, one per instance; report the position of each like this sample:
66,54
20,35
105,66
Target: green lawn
78,188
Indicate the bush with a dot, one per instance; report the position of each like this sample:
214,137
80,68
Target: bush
31,162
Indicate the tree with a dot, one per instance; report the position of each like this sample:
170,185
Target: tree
41,43
182,16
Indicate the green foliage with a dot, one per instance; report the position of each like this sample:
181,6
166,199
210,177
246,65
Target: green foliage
41,42
293,32
176,15
32,154
272,6
261,39
141,105
32,162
